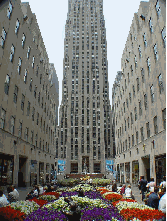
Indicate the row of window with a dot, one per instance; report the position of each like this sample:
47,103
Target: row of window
155,122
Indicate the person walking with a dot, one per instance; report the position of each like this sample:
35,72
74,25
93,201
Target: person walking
150,186
123,189
143,184
153,199
128,192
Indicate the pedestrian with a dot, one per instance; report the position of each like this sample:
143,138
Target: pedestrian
13,194
123,190
114,186
162,204
153,199
33,193
163,183
3,199
128,192
143,184
150,186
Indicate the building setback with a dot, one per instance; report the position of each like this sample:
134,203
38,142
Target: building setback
139,97
28,100
84,132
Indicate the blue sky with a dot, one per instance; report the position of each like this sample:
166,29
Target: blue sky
51,16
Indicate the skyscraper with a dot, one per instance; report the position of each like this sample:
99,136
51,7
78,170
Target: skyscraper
84,133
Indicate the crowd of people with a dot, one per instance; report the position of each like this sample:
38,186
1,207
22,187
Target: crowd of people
13,196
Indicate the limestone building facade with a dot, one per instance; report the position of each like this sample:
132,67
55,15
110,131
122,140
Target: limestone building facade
84,132
27,100
139,97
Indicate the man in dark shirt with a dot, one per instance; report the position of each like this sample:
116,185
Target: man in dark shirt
153,199
143,184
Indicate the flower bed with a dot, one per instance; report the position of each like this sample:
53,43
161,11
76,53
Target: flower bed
134,210
125,200
96,214
11,214
40,202
26,207
101,182
53,193
85,188
46,215
112,196
47,197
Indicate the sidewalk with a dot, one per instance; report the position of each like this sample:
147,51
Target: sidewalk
23,191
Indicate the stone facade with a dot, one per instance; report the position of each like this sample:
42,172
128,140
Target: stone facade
139,97
27,99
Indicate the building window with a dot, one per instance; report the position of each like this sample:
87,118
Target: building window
20,129
145,101
133,141
28,52
32,136
23,40
6,86
140,108
164,118
19,66
17,26
3,37
133,90
2,119
131,70
25,76
155,52
12,50
148,65
124,106
148,129
163,32
160,83
138,86
155,125
125,125
15,94
127,102
140,54
33,113
142,134
30,87
22,102
35,91
142,74
131,115
40,78
128,122
129,142
144,39
12,125
37,118
26,133
137,137
135,60
28,108
152,93
36,140
158,9
130,98
33,62
151,25
9,10
135,110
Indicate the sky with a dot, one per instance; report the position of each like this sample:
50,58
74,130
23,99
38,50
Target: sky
51,17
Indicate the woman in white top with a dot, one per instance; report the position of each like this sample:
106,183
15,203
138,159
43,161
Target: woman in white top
3,199
128,192
151,185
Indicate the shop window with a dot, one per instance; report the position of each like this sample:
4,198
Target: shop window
2,119
97,168
6,86
74,167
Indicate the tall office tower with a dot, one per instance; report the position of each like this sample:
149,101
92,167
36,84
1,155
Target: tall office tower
84,139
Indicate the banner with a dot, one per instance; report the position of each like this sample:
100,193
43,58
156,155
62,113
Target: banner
61,166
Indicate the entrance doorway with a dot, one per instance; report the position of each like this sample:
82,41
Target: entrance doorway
85,164
146,163
22,171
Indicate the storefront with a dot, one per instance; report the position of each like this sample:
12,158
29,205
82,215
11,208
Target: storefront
160,168
6,169
33,172
127,172
135,171
41,173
